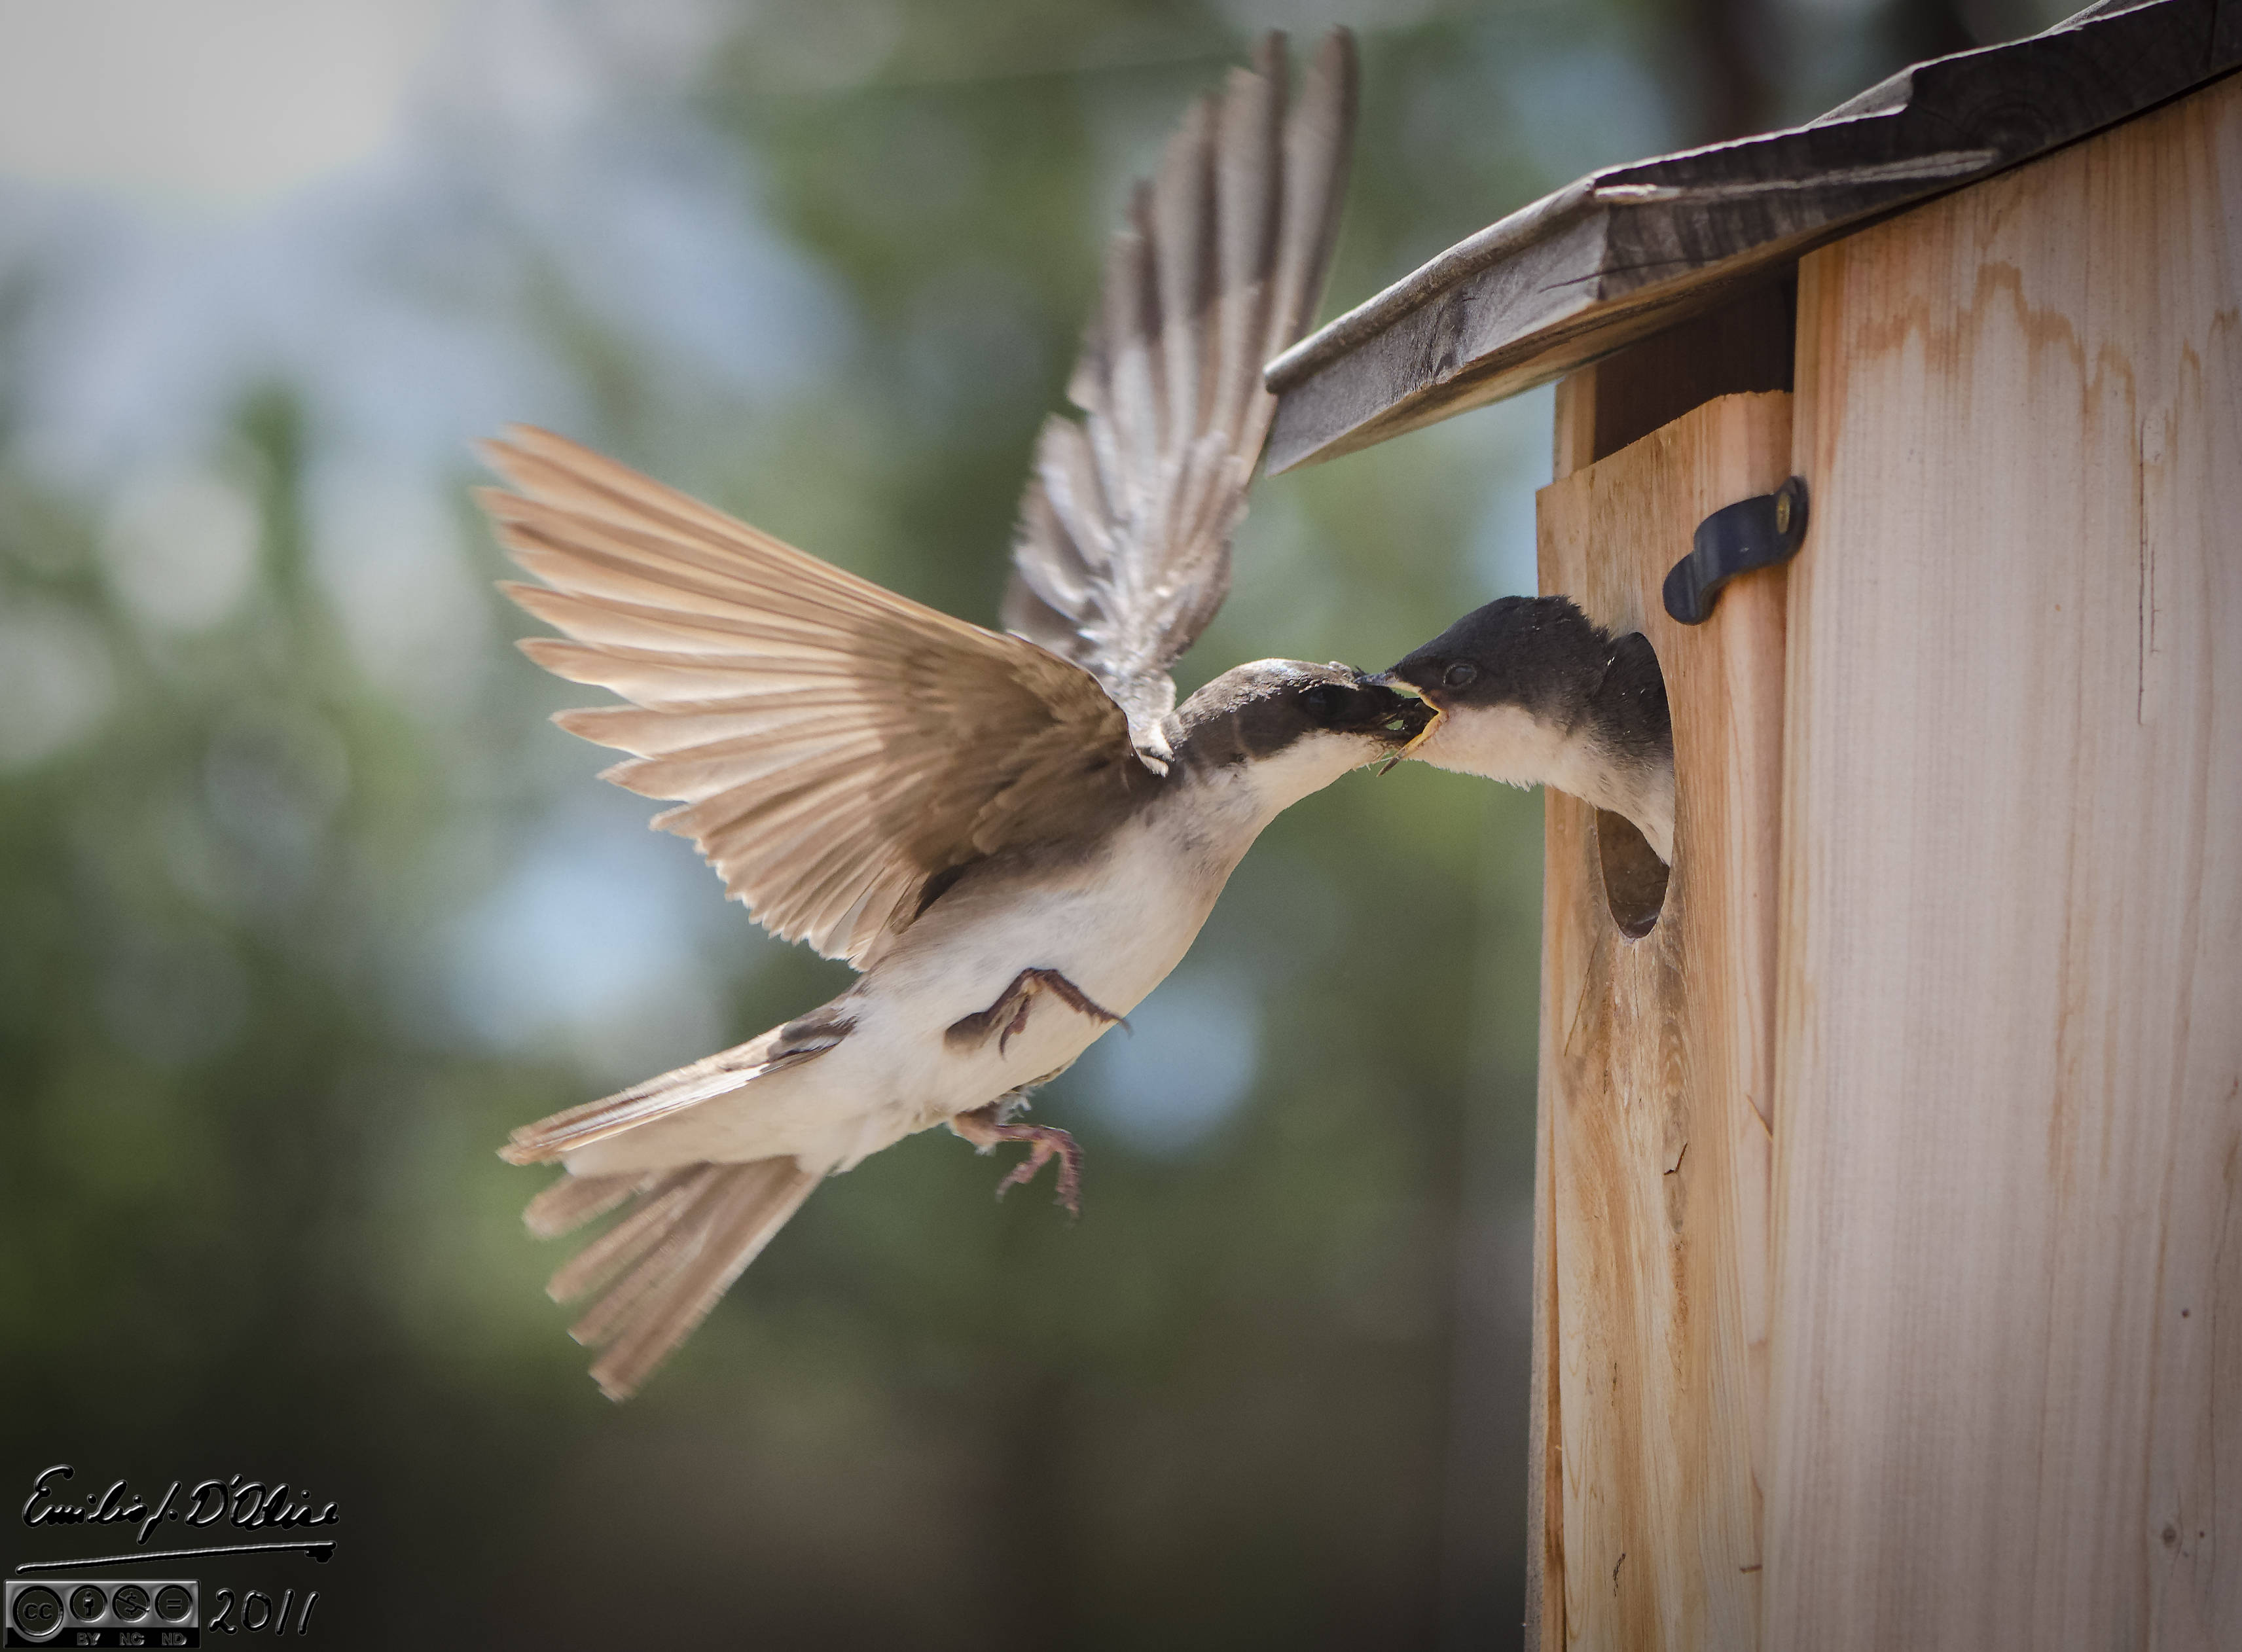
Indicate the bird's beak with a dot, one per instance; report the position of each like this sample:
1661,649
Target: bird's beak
1387,680
1392,715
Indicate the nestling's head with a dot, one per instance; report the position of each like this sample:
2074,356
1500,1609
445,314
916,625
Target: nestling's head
1295,727
1538,654
1531,691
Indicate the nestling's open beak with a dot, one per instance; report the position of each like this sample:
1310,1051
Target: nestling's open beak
1383,708
1432,718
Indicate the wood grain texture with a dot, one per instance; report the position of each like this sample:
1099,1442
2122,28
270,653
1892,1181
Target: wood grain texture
2006,1409
1574,442
1545,1479
1655,1079
1745,345
1631,250
1574,421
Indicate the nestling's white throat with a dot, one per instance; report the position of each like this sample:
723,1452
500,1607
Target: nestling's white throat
1510,744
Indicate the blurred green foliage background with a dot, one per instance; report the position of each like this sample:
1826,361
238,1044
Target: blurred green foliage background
303,904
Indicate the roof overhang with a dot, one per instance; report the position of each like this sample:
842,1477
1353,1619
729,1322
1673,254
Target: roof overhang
1630,251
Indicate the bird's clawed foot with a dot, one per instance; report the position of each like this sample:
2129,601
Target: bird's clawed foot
984,1127
1009,1014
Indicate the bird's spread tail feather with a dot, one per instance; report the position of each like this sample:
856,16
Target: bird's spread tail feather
703,1080
659,1271
800,1040
573,1200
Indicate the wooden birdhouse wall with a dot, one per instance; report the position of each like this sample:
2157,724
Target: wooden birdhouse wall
2006,1388
1888,1273
1887,1257
1656,1074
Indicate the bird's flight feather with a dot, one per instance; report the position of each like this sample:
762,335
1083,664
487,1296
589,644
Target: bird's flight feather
1123,552
833,746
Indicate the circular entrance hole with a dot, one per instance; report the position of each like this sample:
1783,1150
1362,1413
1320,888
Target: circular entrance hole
1634,878
1634,719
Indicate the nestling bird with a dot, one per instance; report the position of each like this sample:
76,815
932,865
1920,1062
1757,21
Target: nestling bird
1014,837
1530,690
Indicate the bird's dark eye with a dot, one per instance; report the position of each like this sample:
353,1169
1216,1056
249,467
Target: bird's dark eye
1460,674
1322,701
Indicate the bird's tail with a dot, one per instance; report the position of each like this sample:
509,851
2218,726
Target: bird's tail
688,1233
804,1039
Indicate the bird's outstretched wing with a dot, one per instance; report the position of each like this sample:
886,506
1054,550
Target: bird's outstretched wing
1123,552
834,748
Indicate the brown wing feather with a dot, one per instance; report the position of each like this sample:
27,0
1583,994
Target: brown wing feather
1123,551
831,746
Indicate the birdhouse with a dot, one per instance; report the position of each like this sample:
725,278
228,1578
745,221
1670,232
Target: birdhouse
1888,1277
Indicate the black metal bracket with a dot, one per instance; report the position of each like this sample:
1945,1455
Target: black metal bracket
1753,533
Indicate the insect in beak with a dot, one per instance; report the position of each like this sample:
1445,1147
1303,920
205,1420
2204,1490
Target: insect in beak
1431,723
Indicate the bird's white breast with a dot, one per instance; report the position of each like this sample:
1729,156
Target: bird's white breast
1114,925
1114,922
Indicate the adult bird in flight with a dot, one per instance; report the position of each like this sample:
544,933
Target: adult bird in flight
1013,837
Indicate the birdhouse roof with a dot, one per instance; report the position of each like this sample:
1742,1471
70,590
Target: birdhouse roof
1630,251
